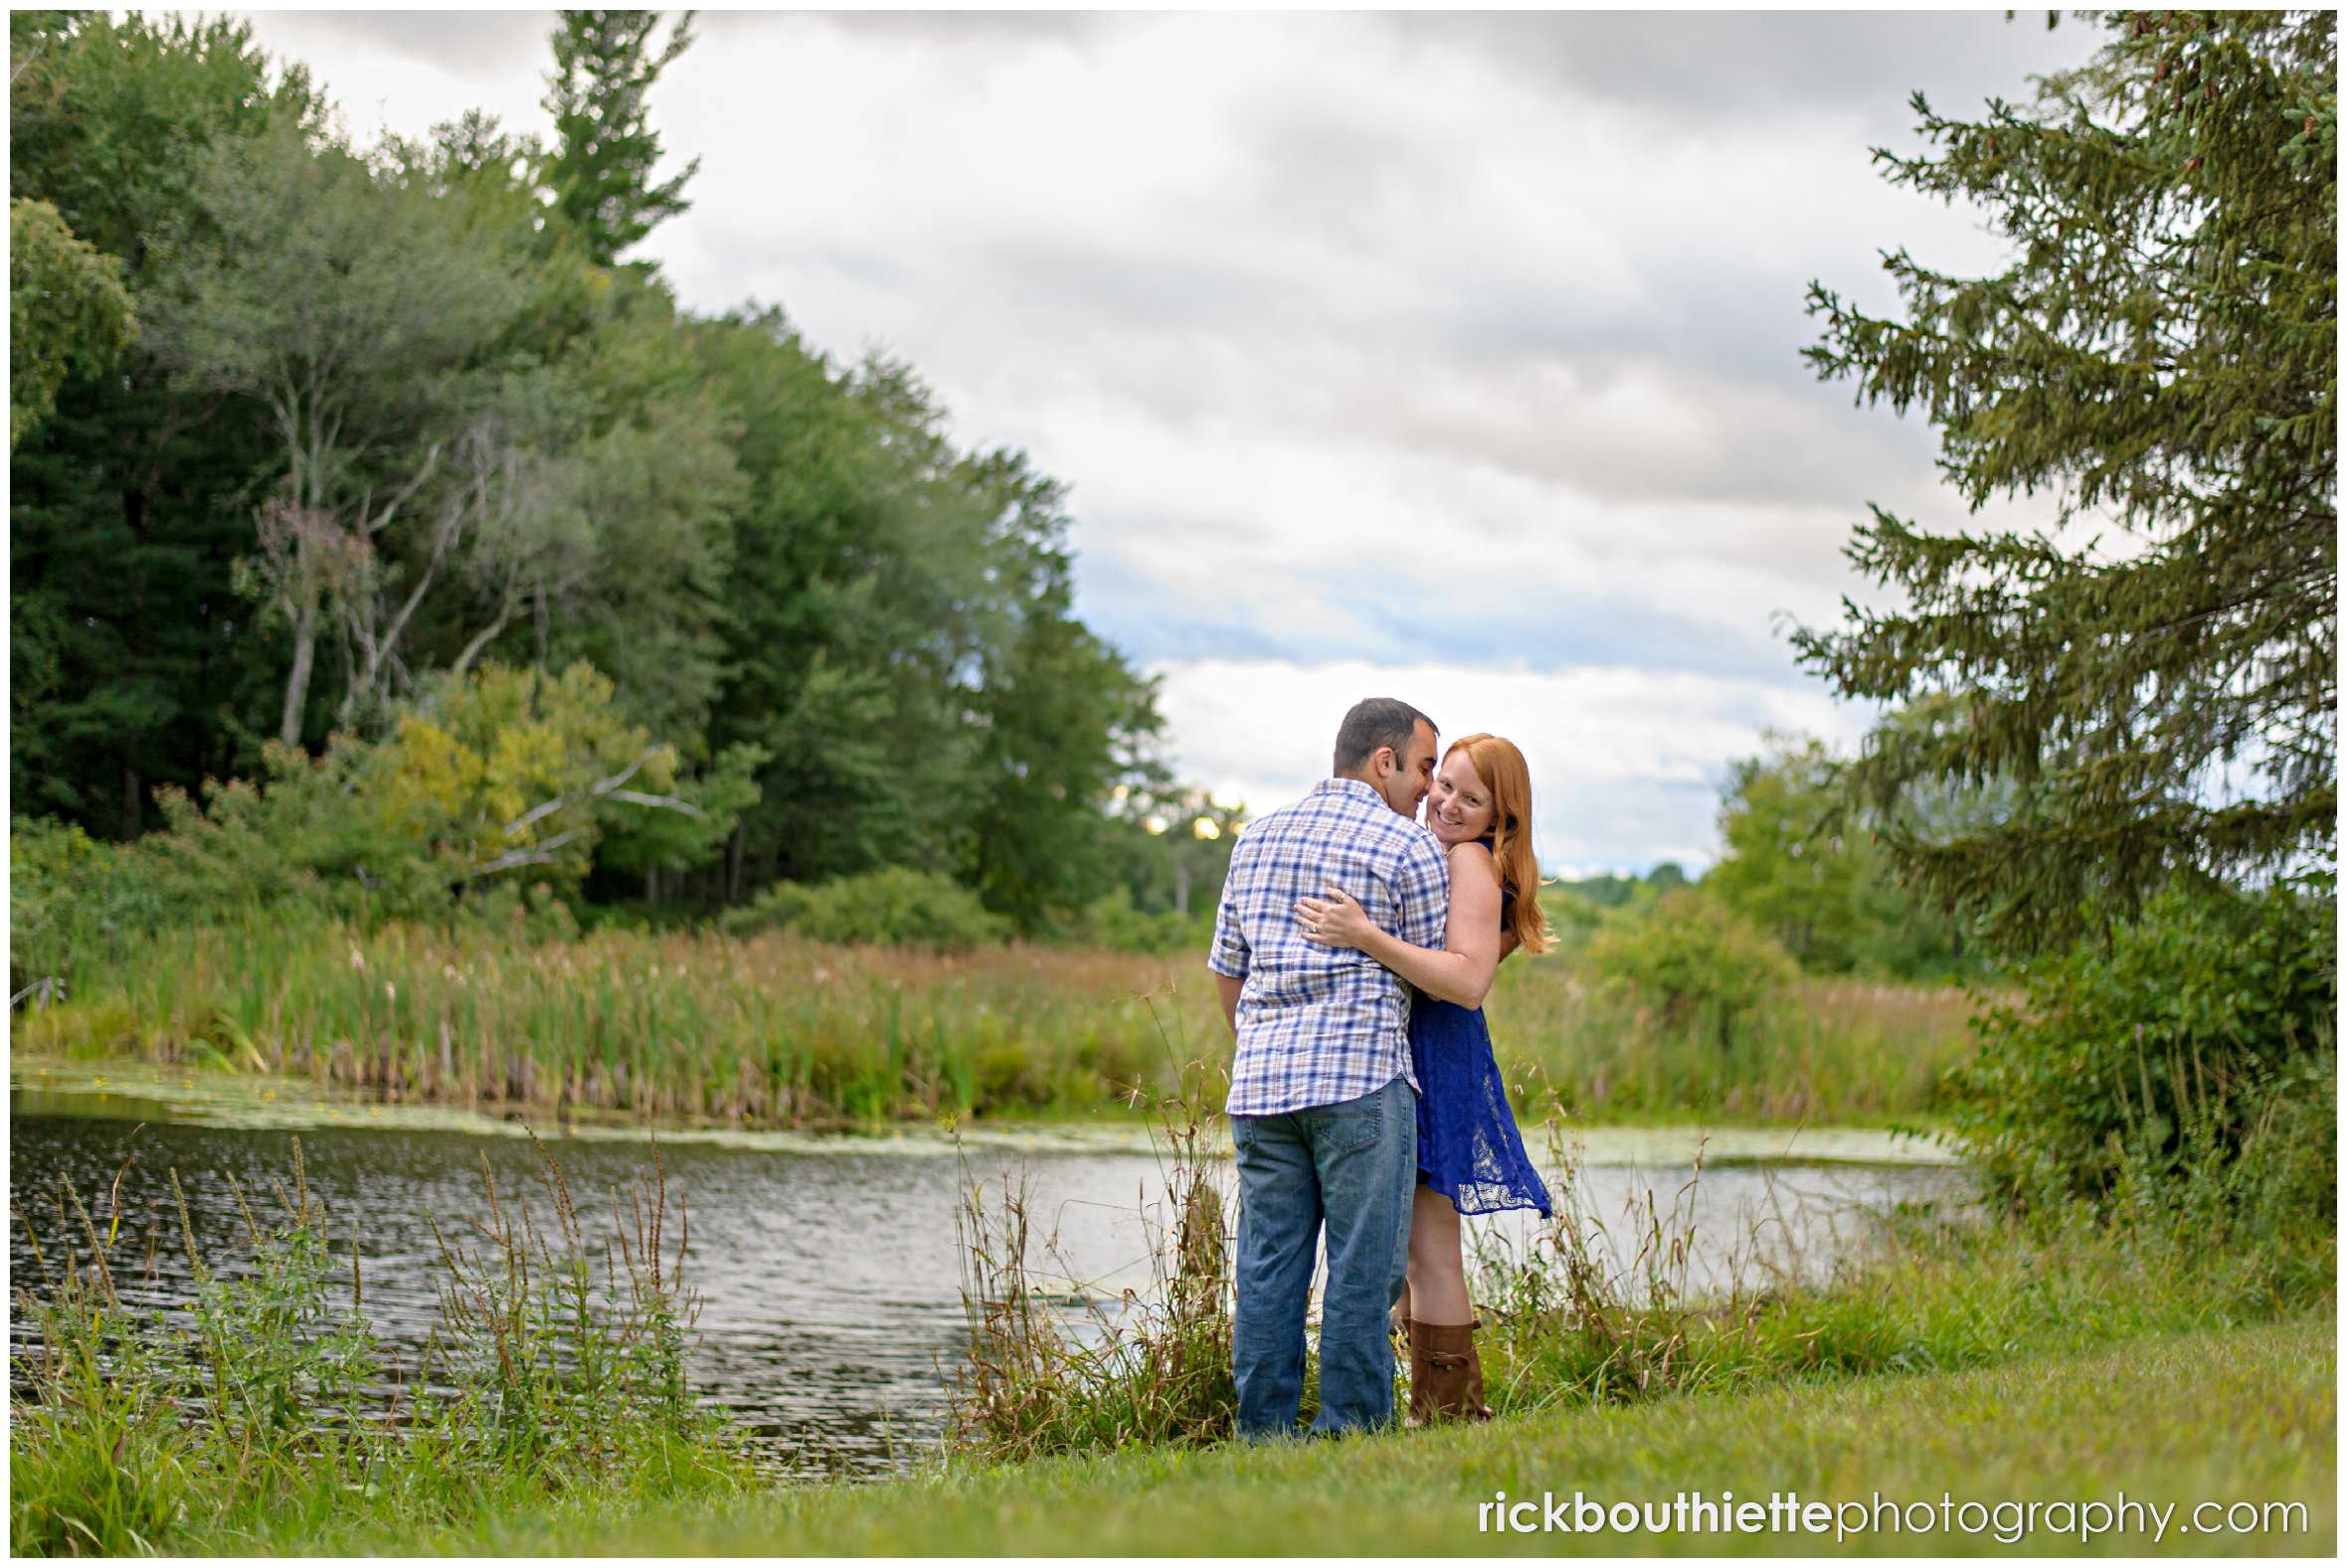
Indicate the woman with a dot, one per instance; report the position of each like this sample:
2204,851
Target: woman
1471,1158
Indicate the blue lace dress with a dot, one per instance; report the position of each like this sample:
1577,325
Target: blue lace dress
1468,1149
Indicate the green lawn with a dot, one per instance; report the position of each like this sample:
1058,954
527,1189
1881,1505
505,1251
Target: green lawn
2221,1416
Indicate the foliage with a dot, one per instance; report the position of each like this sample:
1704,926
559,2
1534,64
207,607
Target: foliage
131,662
1688,954
2161,356
505,769
602,169
301,841
895,907
2158,1057
900,644
304,838
501,778
353,304
1800,865
1168,846
66,309
1064,722
1114,923
553,1382
69,895
395,413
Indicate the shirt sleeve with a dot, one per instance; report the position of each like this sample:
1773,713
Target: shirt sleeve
1424,886
1229,955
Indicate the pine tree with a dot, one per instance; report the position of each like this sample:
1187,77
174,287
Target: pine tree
605,151
2160,357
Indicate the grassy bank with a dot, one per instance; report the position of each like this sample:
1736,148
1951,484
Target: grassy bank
263,1406
2062,1358
2214,1416
770,1030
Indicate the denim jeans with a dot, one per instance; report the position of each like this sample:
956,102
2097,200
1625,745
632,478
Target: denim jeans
1352,1165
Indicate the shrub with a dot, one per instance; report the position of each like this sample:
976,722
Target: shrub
67,894
300,842
1690,954
1112,923
2161,1053
895,907
306,835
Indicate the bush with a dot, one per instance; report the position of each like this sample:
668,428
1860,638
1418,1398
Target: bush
2159,1054
67,894
895,907
1690,955
302,842
308,835
1112,923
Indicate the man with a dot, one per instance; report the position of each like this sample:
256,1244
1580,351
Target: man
1324,1109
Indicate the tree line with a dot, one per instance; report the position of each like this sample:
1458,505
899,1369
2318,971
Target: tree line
310,439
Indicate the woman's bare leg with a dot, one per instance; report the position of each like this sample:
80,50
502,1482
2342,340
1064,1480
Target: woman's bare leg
1437,1289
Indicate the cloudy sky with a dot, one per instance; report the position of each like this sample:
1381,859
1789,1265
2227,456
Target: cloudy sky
1443,356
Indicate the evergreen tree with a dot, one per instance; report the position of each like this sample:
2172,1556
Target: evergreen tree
2160,356
604,67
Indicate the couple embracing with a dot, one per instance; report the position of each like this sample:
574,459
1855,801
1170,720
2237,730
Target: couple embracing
1352,950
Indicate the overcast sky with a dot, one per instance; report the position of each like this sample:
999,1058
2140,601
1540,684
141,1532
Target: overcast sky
1442,356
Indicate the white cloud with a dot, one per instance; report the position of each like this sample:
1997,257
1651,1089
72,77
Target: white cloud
1465,347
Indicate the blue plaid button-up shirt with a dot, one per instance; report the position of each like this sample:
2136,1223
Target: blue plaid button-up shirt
1319,1025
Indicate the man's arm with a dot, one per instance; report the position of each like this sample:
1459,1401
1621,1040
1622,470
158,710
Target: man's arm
1229,956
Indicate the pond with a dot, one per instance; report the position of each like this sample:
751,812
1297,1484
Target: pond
828,1265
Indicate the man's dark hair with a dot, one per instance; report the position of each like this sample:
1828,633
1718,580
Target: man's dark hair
1375,722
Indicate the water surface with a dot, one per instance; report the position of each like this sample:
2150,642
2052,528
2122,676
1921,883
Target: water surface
828,1268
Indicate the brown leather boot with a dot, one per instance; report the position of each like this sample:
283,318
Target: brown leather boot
1446,1375
1477,1410
1422,1376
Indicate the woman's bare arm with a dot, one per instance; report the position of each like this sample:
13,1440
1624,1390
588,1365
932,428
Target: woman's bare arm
1461,973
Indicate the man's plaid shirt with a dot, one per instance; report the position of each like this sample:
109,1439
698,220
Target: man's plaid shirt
1319,1025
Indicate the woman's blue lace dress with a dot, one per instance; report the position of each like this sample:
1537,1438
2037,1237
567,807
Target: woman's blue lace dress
1468,1147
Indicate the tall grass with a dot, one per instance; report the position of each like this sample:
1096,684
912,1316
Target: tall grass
272,1409
1822,1050
1152,1368
1600,1312
773,1030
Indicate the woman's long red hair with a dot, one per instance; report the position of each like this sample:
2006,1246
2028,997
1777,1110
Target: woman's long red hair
1502,768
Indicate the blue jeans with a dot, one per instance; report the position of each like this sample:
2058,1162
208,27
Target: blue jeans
1351,1164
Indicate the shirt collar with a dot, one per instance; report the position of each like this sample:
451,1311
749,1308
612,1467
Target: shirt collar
1353,787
